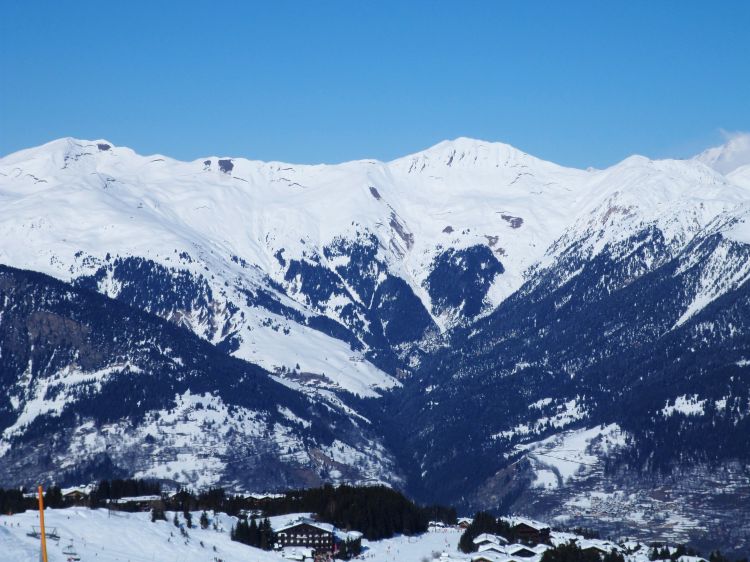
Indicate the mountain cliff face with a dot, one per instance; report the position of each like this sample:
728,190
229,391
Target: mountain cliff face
546,333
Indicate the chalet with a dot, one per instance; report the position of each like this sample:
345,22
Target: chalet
486,538
136,503
597,546
75,496
464,522
529,531
492,547
520,551
306,533
261,501
341,536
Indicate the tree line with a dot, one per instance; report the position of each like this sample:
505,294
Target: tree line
376,511
259,535
17,500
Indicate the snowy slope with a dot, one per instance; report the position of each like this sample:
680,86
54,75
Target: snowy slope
132,537
117,537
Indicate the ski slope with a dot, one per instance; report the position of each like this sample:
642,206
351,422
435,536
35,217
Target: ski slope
102,536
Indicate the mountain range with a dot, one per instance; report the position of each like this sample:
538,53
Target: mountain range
470,323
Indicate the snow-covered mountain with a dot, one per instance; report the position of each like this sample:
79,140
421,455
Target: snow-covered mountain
489,300
276,262
92,386
283,261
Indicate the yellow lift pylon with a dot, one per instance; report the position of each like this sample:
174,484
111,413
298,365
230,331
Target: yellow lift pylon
43,551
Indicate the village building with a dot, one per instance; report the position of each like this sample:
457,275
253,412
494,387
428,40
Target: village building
520,551
75,496
598,546
485,538
595,548
306,533
136,503
342,536
492,547
530,531
261,501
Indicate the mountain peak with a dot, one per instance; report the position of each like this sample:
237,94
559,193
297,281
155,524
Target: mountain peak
72,145
463,152
729,156
61,150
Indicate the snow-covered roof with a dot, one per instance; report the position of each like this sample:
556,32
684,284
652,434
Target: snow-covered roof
348,535
327,527
492,547
604,546
135,499
256,496
516,548
279,521
80,489
561,537
487,537
515,520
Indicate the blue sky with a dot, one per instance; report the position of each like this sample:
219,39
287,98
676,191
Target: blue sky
580,83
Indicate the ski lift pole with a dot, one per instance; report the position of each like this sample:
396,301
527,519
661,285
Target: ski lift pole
43,552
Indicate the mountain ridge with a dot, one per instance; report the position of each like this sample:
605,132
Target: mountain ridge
500,305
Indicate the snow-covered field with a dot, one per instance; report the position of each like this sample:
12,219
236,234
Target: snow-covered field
106,536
